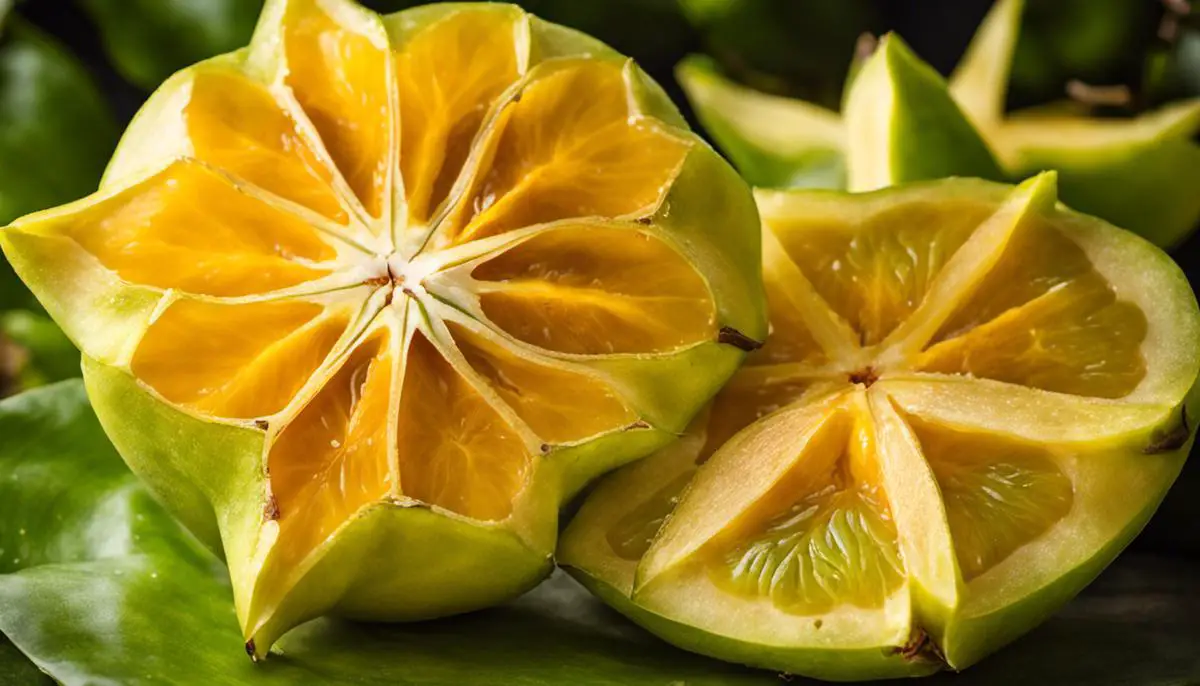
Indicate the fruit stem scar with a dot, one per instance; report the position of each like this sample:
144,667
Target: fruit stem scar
251,651
865,376
731,336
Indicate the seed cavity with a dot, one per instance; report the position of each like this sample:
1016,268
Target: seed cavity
731,336
866,376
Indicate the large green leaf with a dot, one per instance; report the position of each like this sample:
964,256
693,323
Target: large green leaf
99,586
149,40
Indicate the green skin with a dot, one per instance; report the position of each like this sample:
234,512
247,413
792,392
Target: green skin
961,635
1140,174
970,640
398,559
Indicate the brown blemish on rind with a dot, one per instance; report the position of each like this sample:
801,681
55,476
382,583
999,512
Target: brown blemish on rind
639,424
731,336
1172,439
920,648
251,651
261,424
271,509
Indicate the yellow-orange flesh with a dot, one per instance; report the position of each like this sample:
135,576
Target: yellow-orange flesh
307,231
844,293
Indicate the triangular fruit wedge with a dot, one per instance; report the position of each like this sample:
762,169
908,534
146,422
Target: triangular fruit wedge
901,121
365,302
971,399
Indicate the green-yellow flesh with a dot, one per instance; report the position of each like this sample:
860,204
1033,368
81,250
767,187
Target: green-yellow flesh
957,419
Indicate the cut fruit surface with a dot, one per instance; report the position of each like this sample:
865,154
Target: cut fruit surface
970,400
428,264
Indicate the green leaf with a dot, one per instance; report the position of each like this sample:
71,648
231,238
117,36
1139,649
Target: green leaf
149,40
50,355
902,125
774,142
56,134
98,585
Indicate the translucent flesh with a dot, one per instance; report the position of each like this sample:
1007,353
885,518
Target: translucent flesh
559,405
823,536
237,125
635,531
243,360
456,450
789,340
875,273
1044,317
342,79
1039,315
189,229
551,154
448,76
591,289
332,458
999,494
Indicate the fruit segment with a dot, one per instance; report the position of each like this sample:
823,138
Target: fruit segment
334,456
1044,317
340,71
559,404
448,77
966,406
549,155
874,273
998,494
822,537
238,126
591,289
188,228
245,360
457,451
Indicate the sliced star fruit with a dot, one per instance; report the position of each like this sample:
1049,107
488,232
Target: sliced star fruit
901,121
365,302
971,399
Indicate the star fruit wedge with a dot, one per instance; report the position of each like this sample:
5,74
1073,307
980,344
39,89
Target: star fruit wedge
970,400
366,301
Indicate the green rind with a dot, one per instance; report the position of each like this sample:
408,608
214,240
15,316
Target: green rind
405,562
774,142
902,125
968,640
1101,180
208,475
828,664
